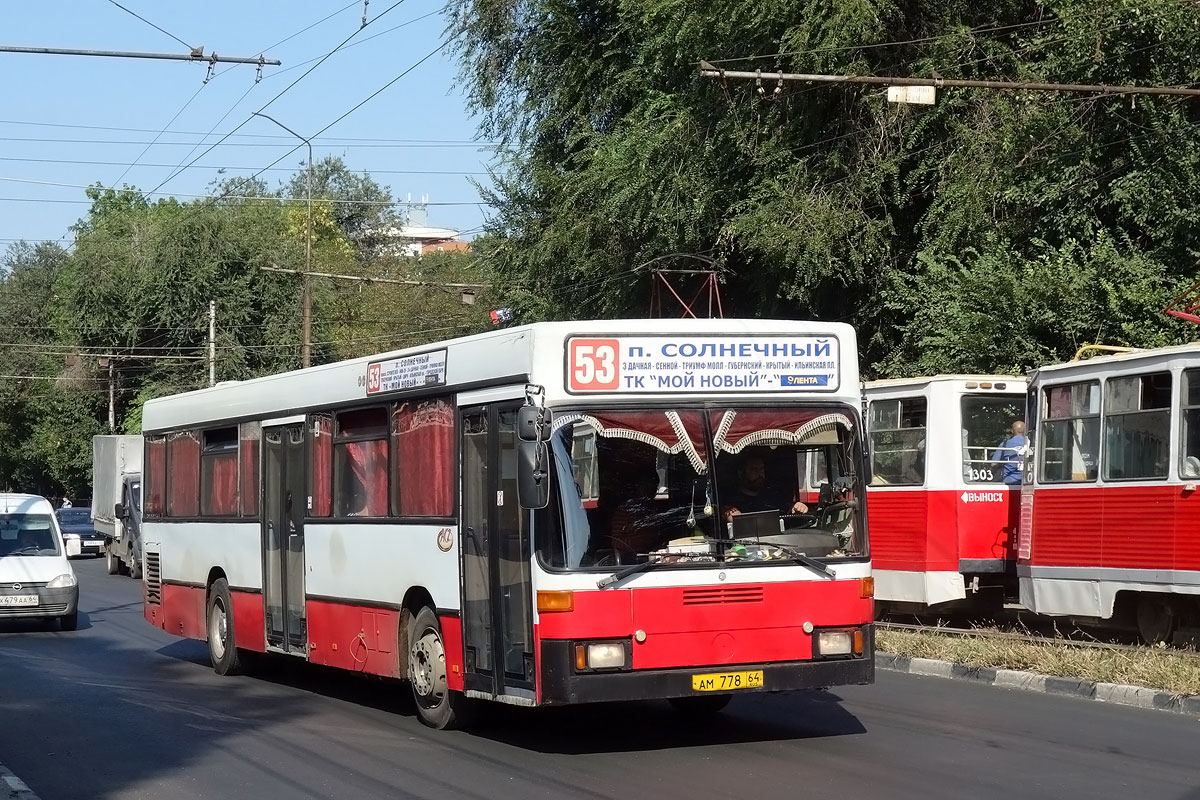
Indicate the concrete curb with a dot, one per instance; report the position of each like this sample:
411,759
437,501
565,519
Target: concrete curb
1118,694
13,788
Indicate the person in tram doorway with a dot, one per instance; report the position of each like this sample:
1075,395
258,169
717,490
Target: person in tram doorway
1011,454
754,494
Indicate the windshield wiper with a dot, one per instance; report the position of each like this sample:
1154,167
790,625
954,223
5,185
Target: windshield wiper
633,569
807,561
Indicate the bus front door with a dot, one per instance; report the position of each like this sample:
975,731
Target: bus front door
284,506
497,614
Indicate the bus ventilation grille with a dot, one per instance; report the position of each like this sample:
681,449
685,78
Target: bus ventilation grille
153,579
709,595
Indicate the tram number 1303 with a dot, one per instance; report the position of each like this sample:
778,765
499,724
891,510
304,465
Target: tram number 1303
981,474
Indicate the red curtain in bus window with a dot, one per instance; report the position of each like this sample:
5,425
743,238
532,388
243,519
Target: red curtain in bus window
321,487
362,487
669,431
423,434
251,433
154,488
735,430
183,475
222,485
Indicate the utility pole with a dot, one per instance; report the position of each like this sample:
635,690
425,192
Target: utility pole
707,70
212,342
112,396
306,325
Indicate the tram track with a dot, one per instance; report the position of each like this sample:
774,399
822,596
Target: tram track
1030,638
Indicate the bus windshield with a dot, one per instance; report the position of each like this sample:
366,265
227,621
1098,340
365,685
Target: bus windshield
695,485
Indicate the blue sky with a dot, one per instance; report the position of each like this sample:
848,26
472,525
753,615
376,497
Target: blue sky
416,128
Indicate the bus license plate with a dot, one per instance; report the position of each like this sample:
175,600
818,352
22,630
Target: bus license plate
18,600
727,681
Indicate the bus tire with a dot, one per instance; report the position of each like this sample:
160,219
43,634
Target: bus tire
704,705
112,564
222,647
437,705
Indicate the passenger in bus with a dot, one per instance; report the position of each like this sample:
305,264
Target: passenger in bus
1011,454
754,494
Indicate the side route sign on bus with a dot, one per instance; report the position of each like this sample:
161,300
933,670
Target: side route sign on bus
702,364
407,372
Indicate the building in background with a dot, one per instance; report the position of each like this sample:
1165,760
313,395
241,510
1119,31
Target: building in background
417,237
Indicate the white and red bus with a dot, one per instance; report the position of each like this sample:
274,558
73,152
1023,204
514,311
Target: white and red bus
1110,517
536,515
945,488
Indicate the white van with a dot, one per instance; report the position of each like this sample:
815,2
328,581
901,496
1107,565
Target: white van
36,580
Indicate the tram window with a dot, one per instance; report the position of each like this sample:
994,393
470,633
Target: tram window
989,441
1137,426
360,461
1070,435
1189,467
219,473
898,441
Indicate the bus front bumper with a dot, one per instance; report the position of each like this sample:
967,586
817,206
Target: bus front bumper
562,685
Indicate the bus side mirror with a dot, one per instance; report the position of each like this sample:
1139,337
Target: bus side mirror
119,510
533,477
533,423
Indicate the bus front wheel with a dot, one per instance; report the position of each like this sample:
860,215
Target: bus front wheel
438,706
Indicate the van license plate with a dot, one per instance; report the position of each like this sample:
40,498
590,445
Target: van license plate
18,600
727,681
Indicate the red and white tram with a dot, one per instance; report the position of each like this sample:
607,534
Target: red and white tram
536,515
1110,522
946,457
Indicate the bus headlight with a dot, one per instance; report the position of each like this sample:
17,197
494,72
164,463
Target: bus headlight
834,643
600,655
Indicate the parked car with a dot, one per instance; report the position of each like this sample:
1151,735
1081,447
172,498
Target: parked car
36,579
79,534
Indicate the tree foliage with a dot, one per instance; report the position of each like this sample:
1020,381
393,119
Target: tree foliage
995,230
135,292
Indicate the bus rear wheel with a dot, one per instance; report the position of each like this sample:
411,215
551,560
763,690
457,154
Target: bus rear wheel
438,706
222,650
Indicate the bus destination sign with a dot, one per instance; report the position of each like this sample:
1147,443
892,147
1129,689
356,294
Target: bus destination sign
407,372
702,364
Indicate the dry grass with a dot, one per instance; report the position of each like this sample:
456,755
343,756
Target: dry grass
1151,667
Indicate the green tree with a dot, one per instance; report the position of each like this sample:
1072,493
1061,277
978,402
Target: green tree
826,201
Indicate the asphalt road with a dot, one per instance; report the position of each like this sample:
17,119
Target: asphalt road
118,709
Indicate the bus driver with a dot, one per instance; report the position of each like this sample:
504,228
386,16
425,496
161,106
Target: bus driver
753,493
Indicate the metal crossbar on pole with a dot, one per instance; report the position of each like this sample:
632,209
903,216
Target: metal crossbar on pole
366,279
196,55
707,70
